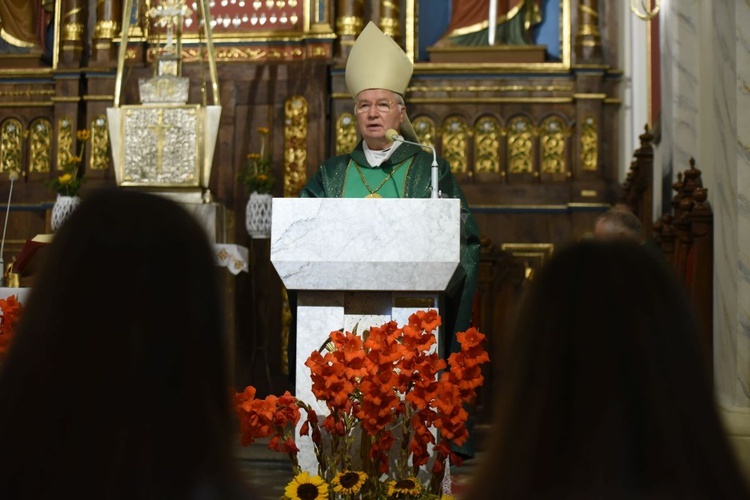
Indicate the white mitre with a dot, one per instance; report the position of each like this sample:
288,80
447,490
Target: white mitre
376,61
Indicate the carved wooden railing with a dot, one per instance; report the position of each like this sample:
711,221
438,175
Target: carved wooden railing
637,191
686,238
685,234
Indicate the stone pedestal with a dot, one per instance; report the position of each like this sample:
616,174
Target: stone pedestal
360,262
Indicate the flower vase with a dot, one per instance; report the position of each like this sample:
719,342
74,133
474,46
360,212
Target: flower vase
258,215
61,210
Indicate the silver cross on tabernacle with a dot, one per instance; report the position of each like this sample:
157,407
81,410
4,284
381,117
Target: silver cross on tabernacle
169,14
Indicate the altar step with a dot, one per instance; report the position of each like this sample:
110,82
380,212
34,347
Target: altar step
268,472
269,478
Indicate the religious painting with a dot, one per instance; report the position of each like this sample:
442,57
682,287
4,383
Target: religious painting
26,33
527,33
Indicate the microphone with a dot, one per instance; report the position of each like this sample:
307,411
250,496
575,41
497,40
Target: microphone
13,175
396,137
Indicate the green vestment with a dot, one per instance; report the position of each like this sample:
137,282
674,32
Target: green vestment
335,179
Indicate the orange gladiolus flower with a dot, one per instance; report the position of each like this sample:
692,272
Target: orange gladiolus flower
311,422
289,446
471,346
415,341
330,381
470,338
261,418
348,346
385,379
12,310
334,425
426,321
349,351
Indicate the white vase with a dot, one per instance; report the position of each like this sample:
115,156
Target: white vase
258,215
61,210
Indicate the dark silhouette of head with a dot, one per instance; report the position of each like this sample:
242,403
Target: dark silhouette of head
606,393
116,384
619,224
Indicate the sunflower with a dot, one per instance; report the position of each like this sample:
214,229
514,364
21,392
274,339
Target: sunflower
406,487
348,482
304,487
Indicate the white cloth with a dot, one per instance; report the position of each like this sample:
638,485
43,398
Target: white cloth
375,157
233,257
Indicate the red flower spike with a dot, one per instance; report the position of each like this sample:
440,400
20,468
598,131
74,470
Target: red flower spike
12,310
427,321
373,382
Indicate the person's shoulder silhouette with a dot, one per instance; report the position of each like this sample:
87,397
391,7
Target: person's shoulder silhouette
116,385
605,393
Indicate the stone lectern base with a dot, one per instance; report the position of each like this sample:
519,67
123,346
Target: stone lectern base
488,54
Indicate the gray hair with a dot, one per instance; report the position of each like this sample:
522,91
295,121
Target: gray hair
619,224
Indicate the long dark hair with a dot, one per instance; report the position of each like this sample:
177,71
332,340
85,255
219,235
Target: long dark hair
607,395
116,383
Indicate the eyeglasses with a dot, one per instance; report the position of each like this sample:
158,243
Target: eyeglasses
382,106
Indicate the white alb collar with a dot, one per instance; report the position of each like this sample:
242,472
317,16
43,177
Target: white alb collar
376,157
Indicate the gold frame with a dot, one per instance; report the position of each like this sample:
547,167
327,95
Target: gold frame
543,67
56,45
411,38
533,255
308,14
199,148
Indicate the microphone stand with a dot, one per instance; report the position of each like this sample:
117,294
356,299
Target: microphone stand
13,176
434,193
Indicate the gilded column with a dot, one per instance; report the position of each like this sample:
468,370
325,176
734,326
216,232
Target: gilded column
349,23
589,170
390,19
72,27
320,16
108,13
588,42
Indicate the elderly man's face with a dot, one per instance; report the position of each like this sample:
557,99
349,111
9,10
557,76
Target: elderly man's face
378,110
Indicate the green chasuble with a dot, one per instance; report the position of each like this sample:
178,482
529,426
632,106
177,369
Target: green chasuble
384,182
338,177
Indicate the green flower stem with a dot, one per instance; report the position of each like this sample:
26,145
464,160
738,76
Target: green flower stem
284,435
318,446
436,479
405,438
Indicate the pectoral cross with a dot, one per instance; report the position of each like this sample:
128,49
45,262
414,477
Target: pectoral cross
159,129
